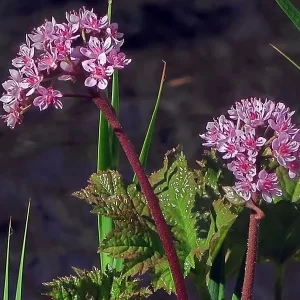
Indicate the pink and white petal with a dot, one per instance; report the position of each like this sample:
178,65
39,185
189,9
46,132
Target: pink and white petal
267,197
15,74
102,59
40,102
86,52
109,71
107,44
88,65
31,91
58,104
18,62
6,98
42,90
102,84
66,78
66,66
57,93
90,82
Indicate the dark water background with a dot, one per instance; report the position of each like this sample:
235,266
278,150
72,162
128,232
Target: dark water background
220,51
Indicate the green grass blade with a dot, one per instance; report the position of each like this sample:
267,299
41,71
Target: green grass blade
289,59
104,163
216,283
21,265
147,142
237,293
291,11
114,143
6,280
115,102
105,159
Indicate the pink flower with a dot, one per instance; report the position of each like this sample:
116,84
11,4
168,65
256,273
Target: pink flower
90,21
13,115
33,79
268,185
243,166
245,188
48,60
218,131
284,148
48,96
252,112
63,49
25,58
117,60
13,87
112,31
43,34
66,32
99,73
281,120
231,147
250,141
95,48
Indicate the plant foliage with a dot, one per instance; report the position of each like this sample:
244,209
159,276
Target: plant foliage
198,215
95,285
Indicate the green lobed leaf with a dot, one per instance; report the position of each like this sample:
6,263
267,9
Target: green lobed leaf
108,196
290,187
139,245
176,189
291,11
222,217
96,285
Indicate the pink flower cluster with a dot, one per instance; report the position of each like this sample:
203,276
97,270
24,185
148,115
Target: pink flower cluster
84,47
256,131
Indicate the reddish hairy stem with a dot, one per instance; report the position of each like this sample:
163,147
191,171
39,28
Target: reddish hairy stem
253,234
162,228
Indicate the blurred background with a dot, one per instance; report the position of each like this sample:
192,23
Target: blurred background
216,52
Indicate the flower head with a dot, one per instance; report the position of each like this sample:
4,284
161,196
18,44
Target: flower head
84,46
258,132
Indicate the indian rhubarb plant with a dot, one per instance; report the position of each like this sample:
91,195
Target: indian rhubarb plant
179,221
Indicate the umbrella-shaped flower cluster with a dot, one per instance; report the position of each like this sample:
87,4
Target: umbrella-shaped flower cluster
256,132
85,46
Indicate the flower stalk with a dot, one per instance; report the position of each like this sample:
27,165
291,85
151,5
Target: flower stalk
256,215
163,230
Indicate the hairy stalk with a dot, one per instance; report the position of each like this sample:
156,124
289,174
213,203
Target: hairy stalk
253,234
163,230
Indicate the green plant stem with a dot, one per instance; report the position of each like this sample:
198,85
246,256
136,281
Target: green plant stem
255,215
162,227
278,281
